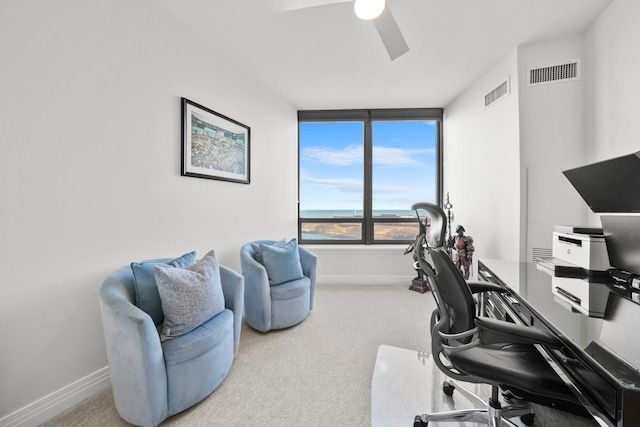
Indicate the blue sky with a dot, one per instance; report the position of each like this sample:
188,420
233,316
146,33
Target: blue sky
331,164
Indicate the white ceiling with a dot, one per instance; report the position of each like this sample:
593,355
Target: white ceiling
324,57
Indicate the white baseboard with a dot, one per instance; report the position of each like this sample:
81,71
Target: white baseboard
59,401
363,280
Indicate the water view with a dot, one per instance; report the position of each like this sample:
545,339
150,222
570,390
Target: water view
353,230
356,213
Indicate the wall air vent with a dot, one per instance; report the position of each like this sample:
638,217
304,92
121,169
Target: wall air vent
553,74
497,93
541,253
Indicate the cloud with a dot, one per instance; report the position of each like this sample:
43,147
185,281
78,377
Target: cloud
396,157
336,184
354,155
351,155
390,189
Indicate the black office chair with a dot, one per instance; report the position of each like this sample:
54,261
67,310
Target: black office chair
476,349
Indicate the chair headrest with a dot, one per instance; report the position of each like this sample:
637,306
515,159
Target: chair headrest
435,232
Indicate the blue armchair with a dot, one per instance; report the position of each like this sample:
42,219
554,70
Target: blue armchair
269,306
153,380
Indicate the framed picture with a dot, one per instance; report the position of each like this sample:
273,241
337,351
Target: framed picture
214,146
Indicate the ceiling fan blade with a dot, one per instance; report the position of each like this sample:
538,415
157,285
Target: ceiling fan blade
390,34
288,5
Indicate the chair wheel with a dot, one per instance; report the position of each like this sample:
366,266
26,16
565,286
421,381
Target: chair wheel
417,422
527,419
448,388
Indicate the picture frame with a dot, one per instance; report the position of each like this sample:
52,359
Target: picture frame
214,146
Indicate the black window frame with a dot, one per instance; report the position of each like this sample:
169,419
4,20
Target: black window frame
368,116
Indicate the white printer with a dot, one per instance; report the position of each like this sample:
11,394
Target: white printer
579,269
587,251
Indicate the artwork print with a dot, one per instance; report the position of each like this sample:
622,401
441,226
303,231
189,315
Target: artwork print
214,146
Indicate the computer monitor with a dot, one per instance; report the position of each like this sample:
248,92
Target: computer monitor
611,185
622,235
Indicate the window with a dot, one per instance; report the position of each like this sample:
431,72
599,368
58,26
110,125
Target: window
361,170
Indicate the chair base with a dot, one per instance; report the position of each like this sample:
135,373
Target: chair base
493,414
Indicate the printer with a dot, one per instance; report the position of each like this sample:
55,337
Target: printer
587,252
577,252
579,268
587,263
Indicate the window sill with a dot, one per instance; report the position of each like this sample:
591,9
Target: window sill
357,249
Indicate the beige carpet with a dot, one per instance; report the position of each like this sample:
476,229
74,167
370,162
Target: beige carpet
317,373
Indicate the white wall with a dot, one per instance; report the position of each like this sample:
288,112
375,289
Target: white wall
363,264
90,172
558,126
613,88
552,140
90,163
612,130
482,163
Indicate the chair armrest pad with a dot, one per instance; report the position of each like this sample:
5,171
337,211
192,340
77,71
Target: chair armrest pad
491,331
478,286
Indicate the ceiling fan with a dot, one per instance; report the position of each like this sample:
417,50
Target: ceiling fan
376,11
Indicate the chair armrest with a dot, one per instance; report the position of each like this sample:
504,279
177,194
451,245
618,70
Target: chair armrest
257,292
255,276
309,262
458,342
233,290
134,352
492,331
478,286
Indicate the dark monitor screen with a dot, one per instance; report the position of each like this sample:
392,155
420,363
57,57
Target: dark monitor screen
622,234
609,186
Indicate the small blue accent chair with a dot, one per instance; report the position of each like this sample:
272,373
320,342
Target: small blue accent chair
269,307
152,380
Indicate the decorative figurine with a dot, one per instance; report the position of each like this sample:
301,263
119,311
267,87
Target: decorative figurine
448,206
420,282
464,251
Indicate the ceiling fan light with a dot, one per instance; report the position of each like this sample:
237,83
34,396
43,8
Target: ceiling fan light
368,9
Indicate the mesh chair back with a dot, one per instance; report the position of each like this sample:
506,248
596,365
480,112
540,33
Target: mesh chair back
437,229
453,294
456,307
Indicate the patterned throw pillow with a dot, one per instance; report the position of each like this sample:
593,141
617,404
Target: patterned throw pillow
189,296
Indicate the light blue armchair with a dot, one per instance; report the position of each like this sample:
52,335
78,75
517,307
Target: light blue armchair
268,306
153,380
